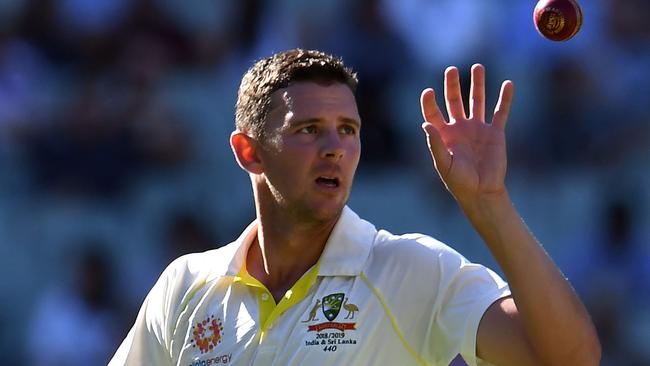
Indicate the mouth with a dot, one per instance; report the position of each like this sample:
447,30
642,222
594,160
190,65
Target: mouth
328,182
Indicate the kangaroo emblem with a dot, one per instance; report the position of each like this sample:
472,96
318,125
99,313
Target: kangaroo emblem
312,313
351,308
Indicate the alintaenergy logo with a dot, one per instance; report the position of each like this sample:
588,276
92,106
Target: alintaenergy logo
206,334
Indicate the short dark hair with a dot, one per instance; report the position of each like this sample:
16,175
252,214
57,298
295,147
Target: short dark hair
279,71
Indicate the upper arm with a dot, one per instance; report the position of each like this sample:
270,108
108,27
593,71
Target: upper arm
143,343
149,338
501,339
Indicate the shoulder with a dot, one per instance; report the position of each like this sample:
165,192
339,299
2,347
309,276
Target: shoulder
200,266
410,263
414,249
420,269
187,275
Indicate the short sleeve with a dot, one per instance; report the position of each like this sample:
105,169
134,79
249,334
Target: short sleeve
439,296
154,338
465,291
148,341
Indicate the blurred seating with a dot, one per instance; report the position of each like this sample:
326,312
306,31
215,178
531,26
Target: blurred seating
115,118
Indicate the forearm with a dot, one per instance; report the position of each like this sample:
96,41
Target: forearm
554,319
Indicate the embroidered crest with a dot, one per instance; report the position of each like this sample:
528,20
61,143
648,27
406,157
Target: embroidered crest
332,305
330,335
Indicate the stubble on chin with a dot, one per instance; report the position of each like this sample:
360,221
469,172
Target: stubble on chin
322,213
303,211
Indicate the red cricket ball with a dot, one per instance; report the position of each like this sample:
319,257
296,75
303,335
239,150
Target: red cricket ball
557,20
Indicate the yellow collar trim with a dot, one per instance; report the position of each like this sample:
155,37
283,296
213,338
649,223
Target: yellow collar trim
269,311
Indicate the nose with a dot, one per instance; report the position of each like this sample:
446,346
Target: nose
332,148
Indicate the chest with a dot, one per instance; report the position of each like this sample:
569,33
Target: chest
341,320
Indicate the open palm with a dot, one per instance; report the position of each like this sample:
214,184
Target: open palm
468,153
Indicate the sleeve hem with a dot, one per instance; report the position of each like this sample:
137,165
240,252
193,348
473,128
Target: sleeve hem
468,348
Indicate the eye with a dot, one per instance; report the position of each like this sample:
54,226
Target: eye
348,130
308,129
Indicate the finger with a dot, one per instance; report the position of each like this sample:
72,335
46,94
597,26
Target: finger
477,93
453,97
502,109
430,110
439,153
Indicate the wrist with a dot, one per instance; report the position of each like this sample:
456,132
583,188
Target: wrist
488,207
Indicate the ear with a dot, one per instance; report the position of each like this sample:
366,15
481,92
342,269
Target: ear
245,149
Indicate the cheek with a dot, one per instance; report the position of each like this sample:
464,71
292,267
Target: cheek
290,164
355,153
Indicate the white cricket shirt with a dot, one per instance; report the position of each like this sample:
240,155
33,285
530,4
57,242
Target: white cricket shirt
373,298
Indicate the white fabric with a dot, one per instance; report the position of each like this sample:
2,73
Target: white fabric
436,297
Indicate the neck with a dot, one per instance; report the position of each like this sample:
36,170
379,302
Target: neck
284,250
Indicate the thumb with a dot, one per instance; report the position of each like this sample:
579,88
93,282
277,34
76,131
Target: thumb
439,153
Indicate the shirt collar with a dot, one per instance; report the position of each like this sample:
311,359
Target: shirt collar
242,243
345,253
348,246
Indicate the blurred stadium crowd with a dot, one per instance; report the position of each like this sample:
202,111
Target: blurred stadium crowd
114,157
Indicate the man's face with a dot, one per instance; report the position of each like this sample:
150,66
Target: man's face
312,149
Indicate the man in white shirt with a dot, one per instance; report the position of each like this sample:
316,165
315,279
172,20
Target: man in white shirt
309,282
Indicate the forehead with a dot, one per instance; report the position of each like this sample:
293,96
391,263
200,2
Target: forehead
312,100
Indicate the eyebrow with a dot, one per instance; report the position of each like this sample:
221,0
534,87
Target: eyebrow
348,120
